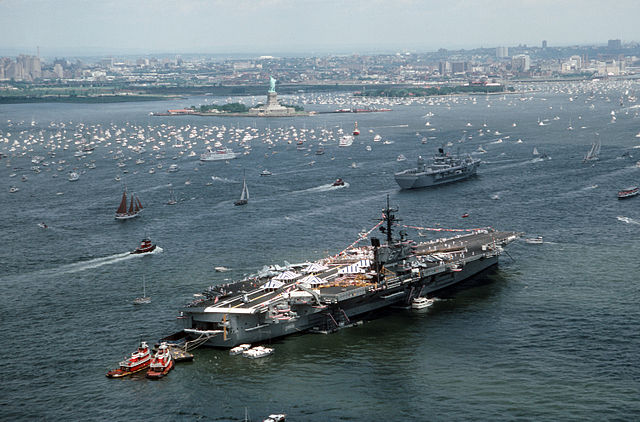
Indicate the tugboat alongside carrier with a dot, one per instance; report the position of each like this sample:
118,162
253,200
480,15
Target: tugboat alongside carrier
339,291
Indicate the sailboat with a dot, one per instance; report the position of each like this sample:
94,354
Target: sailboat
172,198
144,299
134,208
593,153
244,197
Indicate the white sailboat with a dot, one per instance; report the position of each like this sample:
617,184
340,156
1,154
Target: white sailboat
244,196
144,299
593,153
172,198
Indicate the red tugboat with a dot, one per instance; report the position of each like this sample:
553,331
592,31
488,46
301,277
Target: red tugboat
356,131
145,247
139,360
338,182
161,363
628,192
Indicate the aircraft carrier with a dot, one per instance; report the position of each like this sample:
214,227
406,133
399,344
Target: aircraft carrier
341,290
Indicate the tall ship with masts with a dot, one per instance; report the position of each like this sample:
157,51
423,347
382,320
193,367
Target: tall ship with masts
135,207
340,290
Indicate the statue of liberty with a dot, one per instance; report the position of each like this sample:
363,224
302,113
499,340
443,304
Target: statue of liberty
272,84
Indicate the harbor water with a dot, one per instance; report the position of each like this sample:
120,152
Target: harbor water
550,334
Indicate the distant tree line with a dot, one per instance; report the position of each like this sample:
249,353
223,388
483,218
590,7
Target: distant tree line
436,90
225,108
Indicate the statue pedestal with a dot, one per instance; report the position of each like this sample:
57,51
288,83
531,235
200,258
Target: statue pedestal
272,100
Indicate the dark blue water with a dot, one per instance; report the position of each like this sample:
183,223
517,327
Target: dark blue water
552,334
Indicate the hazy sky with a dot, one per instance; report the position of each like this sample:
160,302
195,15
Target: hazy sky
306,26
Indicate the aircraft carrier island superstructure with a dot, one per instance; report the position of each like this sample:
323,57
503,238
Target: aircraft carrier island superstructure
341,290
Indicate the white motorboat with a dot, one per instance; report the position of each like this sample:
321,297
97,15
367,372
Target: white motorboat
238,350
257,352
421,303
220,154
534,240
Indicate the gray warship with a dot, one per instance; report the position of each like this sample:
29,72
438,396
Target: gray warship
341,290
444,168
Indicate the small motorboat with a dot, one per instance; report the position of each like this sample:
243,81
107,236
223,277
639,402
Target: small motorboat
257,352
161,363
465,215
534,240
145,247
338,182
43,225
277,417
238,350
421,303
139,360
265,173
628,192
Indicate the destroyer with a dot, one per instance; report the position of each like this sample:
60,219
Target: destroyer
338,291
444,168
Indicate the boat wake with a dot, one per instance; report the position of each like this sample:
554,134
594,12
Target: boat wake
223,179
628,220
107,260
325,188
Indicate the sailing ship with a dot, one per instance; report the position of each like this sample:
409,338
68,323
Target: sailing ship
134,208
244,196
593,153
356,131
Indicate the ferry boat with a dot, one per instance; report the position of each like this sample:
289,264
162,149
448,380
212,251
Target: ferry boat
628,192
145,247
161,363
219,154
139,360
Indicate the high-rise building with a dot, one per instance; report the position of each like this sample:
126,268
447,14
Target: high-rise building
520,63
58,71
459,67
544,43
614,45
31,67
444,67
502,52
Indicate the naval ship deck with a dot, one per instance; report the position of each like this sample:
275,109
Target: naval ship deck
434,257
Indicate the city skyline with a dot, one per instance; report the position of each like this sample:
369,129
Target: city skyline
78,27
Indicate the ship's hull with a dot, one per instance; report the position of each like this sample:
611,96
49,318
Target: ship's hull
415,180
251,328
